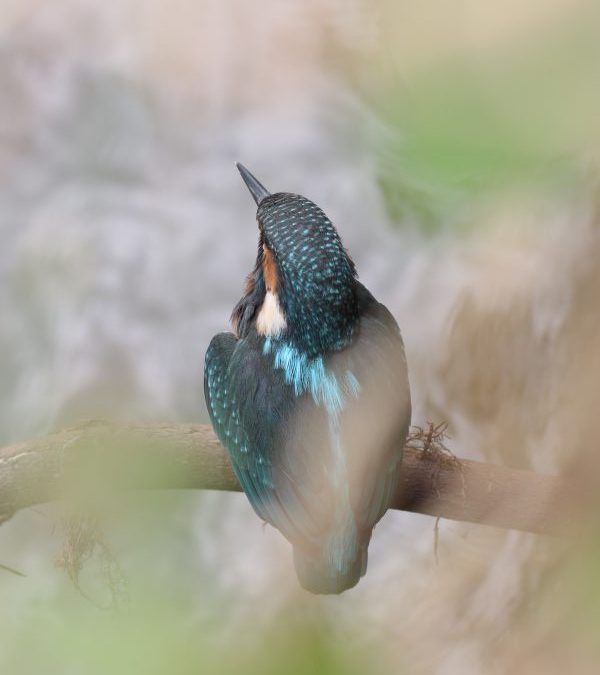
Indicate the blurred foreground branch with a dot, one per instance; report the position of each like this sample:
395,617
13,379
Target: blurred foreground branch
100,455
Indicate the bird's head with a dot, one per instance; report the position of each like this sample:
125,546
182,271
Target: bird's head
303,287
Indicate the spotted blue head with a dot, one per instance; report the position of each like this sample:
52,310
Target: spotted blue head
303,287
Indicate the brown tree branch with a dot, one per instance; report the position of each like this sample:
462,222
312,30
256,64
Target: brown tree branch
99,454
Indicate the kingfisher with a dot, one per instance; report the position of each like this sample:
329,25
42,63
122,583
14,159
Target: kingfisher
309,394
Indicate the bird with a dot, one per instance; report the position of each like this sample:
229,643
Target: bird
309,392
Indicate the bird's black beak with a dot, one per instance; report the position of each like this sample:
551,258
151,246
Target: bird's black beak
257,190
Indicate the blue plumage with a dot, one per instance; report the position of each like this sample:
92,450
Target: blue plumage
310,395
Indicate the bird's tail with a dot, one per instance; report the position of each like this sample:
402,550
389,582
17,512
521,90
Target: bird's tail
336,566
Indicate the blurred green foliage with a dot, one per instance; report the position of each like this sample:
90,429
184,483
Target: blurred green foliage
520,117
168,614
156,637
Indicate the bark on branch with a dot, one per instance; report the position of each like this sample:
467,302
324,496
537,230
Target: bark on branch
99,454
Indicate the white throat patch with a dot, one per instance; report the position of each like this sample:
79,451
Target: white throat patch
271,320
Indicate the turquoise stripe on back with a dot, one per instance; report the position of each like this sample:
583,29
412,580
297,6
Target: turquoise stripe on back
312,376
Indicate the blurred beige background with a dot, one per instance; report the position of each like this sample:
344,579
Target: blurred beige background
455,146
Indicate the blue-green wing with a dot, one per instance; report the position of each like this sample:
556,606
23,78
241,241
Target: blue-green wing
223,403
256,416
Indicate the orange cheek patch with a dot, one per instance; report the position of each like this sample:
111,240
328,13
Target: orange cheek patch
270,270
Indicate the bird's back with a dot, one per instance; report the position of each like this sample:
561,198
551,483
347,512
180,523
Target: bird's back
316,443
